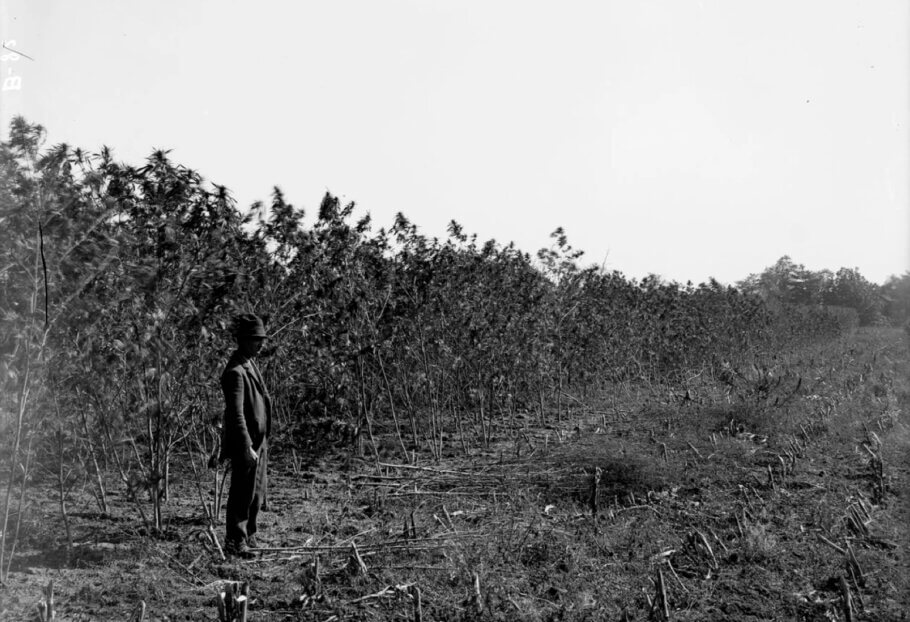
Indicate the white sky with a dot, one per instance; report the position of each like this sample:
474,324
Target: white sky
685,138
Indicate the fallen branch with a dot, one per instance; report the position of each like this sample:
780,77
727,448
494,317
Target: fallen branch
637,507
214,538
831,544
389,590
431,470
387,544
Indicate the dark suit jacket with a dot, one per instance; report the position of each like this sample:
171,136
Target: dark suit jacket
247,410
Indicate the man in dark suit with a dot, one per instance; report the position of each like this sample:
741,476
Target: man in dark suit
247,425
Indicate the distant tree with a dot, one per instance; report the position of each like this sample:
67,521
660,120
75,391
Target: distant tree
896,298
852,289
788,282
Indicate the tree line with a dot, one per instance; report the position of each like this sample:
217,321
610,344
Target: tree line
788,282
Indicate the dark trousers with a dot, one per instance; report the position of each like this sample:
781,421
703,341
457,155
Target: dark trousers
248,485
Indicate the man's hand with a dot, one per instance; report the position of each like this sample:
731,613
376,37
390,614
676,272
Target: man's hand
251,456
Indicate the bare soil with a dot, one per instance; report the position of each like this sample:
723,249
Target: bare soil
770,495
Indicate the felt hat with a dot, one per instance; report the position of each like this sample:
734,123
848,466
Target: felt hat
249,325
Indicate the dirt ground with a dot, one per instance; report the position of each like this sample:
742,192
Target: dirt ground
776,493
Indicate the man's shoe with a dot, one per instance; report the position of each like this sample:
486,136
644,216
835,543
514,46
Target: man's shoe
238,548
252,542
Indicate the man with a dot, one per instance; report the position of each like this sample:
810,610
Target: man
247,425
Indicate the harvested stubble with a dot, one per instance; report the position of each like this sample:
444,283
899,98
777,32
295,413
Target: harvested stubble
623,470
559,474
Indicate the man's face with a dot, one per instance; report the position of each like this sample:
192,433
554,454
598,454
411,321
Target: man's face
250,346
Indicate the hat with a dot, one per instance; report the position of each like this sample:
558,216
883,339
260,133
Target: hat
249,325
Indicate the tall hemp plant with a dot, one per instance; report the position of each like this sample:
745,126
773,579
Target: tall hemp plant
53,242
182,260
